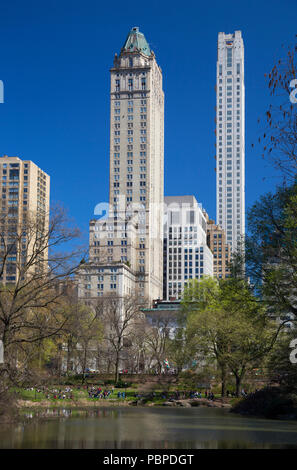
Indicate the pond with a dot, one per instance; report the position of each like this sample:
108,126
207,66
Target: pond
146,428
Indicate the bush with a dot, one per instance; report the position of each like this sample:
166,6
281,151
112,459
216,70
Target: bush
109,382
121,384
271,402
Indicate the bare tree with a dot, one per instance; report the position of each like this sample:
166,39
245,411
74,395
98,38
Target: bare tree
33,274
120,317
280,134
156,340
89,335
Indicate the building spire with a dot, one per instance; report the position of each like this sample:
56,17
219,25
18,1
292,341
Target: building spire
136,42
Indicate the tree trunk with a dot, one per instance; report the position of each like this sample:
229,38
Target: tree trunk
160,367
4,344
117,368
84,364
223,381
238,383
69,351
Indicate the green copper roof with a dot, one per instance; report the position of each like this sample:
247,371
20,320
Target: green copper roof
136,42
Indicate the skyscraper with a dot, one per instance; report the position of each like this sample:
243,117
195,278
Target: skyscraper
24,202
230,137
186,254
133,232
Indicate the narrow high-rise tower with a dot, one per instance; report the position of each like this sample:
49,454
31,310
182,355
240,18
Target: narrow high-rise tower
137,154
133,232
230,137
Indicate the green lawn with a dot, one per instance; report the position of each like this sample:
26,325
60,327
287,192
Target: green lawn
32,395
82,393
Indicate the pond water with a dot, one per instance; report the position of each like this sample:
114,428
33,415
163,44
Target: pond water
146,428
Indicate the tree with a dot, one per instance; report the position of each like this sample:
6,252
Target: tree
251,335
229,324
157,339
280,134
279,367
120,317
205,322
31,305
182,347
271,249
138,350
89,335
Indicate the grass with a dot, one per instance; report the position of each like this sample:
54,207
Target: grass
31,395
81,394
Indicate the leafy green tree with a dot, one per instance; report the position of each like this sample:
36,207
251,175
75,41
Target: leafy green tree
279,367
202,307
271,249
250,331
229,324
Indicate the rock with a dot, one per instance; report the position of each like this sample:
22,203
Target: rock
169,403
195,403
184,403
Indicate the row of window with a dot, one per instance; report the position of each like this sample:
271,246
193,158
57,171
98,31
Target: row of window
130,84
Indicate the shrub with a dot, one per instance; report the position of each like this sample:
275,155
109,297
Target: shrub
121,384
270,402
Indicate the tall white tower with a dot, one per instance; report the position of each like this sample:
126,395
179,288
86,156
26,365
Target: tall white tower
230,137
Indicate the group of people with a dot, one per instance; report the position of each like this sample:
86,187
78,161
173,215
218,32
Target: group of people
59,394
229,394
209,395
56,394
97,392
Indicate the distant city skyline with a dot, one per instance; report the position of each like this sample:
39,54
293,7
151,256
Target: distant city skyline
55,109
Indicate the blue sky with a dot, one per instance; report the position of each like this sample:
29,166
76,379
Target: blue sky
55,58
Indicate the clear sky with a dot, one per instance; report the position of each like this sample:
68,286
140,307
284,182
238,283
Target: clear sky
54,61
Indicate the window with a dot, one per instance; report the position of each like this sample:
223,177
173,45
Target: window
229,57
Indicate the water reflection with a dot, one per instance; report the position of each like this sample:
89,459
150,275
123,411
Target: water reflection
146,428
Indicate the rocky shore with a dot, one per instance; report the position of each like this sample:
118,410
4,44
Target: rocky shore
84,403
187,403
